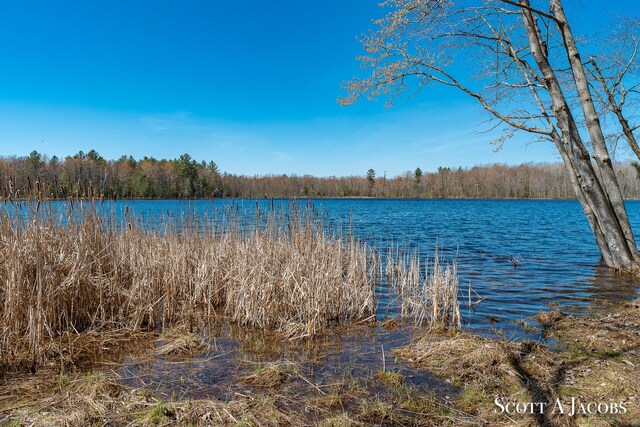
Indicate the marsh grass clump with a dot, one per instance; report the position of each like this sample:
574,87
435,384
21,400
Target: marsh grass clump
548,318
391,378
461,358
391,324
427,291
526,326
178,343
271,375
78,267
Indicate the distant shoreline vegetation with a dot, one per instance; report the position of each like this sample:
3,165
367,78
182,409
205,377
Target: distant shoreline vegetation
91,175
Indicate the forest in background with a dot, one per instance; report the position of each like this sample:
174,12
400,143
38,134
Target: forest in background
91,175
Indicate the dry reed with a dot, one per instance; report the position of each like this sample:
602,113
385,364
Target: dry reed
427,292
74,268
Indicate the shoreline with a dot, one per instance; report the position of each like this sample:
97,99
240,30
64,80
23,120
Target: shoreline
591,371
298,198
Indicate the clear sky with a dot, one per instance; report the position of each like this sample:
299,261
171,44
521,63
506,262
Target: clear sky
249,84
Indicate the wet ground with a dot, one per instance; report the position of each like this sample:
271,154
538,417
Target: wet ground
356,353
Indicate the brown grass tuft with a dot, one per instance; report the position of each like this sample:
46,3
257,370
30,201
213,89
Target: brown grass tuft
461,357
548,318
269,376
391,324
176,343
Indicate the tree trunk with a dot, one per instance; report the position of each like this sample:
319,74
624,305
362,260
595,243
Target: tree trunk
584,202
596,188
600,151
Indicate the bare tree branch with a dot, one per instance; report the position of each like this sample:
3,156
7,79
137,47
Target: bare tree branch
531,9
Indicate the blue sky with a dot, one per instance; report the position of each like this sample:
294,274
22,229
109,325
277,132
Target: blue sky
251,85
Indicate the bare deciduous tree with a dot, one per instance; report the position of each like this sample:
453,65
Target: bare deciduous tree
520,60
616,80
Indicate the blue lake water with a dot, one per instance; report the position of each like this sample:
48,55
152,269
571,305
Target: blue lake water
557,259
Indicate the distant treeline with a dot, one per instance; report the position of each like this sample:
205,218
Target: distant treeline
90,175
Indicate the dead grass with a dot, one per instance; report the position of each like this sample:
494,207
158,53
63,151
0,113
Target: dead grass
75,269
99,399
463,358
487,369
391,324
271,375
598,364
601,363
427,292
548,318
391,378
342,420
63,399
178,343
